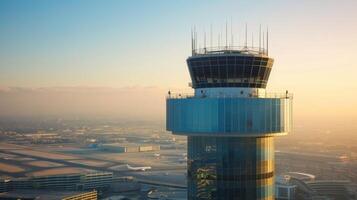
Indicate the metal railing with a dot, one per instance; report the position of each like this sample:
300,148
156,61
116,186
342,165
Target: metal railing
252,95
229,49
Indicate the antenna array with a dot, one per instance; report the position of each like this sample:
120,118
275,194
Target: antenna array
263,44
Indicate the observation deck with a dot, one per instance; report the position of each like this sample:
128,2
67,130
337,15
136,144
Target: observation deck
255,115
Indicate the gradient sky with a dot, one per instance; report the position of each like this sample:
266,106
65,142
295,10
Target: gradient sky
119,44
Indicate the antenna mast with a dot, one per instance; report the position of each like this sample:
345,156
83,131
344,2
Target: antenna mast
232,42
267,41
246,33
219,40
204,43
263,43
211,35
252,40
260,37
192,41
195,35
226,35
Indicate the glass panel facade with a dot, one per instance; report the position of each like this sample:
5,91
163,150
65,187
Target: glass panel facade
230,168
228,116
229,71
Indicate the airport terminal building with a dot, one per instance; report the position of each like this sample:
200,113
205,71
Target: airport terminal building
69,181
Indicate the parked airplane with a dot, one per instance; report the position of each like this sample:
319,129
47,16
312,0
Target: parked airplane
138,168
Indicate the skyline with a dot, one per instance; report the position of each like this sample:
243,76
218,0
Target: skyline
120,44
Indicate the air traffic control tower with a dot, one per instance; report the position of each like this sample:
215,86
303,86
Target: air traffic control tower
230,122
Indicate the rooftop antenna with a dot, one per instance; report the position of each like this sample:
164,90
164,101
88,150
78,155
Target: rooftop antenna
204,43
192,41
238,39
246,33
232,43
260,37
252,40
263,42
219,40
267,41
226,35
195,36
211,35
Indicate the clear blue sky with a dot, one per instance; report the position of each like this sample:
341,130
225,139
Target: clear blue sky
145,43
124,43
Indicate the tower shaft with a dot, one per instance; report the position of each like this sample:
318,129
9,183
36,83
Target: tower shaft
230,167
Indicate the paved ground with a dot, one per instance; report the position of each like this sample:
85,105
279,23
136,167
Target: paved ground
167,169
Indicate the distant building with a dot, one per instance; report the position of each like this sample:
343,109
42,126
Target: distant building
335,189
22,183
97,180
284,189
71,181
4,185
129,148
305,187
48,195
64,182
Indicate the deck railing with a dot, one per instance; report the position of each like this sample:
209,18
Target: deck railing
252,95
229,49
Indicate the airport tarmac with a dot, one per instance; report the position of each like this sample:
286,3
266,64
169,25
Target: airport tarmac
166,166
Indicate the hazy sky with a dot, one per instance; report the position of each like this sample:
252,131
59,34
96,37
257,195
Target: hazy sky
140,44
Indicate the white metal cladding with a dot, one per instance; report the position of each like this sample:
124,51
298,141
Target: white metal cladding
229,116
